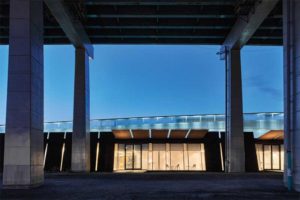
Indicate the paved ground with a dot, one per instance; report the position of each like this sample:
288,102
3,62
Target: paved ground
157,186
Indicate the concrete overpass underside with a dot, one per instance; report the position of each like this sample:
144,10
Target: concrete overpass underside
155,22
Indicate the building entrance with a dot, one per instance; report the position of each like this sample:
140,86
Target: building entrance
133,157
159,157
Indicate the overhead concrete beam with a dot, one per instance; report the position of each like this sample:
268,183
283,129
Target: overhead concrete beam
245,26
162,16
73,28
160,2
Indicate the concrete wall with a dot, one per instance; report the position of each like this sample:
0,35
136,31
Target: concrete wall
212,152
251,163
107,152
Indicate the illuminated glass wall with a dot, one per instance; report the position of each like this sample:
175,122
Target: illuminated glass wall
160,157
270,156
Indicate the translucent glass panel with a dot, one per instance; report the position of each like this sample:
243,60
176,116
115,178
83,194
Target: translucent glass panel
260,156
177,162
196,158
270,157
159,157
267,157
185,157
137,159
145,163
253,122
116,163
121,157
282,157
203,163
133,156
168,157
275,157
150,156
194,155
129,156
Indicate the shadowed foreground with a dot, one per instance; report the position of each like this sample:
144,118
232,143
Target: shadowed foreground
157,186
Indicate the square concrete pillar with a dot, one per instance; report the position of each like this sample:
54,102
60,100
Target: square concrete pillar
291,39
235,150
81,118
23,154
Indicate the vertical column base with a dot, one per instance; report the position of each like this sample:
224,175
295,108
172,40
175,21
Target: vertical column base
80,155
22,176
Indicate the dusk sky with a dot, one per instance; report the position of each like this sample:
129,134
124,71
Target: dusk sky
151,80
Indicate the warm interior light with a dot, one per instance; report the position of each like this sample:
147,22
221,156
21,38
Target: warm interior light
62,157
97,157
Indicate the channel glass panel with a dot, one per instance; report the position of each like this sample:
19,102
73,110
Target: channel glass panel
258,123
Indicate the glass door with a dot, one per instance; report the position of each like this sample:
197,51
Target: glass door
137,156
128,156
133,156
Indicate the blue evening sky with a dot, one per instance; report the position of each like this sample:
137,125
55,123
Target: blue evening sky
150,80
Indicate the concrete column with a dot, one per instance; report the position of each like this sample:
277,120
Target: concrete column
235,150
81,119
291,36
23,157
